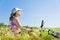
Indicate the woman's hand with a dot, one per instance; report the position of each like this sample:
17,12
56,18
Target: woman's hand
29,30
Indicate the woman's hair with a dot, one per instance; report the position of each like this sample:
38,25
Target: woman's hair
11,16
13,13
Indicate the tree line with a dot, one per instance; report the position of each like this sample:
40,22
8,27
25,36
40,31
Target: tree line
4,25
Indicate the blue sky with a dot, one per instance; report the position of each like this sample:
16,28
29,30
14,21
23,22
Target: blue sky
33,12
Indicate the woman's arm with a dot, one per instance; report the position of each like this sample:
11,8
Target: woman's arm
18,24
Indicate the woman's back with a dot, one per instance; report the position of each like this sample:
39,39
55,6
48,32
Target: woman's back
12,25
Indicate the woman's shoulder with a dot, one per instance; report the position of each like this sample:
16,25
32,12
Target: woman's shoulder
15,19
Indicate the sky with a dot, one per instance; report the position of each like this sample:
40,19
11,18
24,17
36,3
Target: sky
33,12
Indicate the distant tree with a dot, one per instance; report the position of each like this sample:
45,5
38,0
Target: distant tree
4,25
1,24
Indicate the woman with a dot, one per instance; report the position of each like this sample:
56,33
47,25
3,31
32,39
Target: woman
15,24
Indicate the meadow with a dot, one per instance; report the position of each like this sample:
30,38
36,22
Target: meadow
5,34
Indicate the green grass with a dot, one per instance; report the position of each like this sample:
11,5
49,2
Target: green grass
5,34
